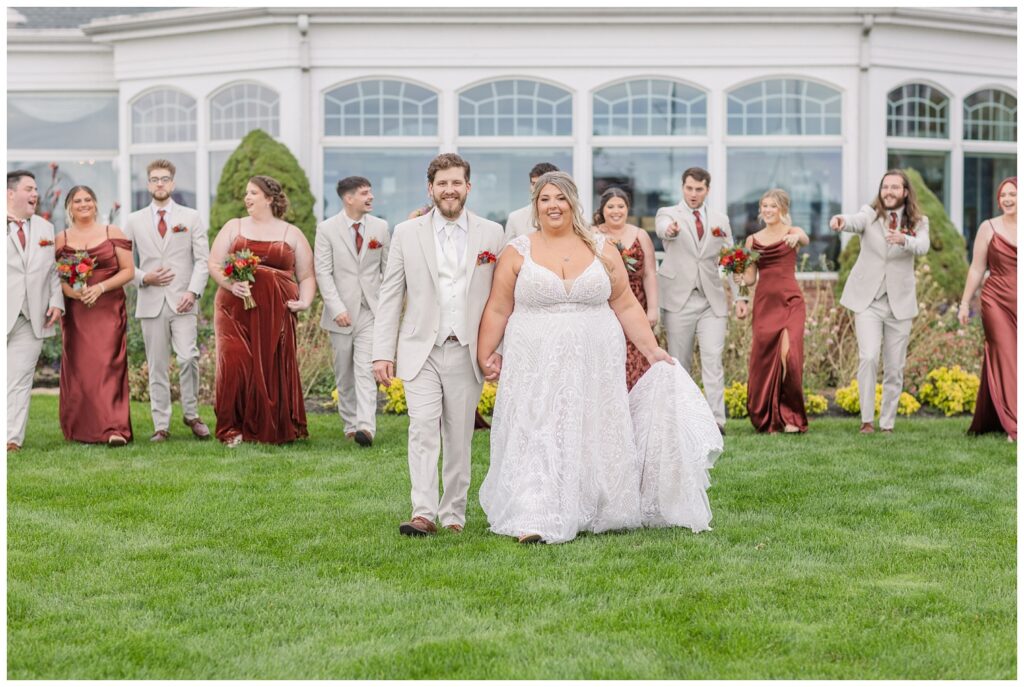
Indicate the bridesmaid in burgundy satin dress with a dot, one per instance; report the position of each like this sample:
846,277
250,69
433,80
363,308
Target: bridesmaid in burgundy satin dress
258,393
775,395
94,398
995,249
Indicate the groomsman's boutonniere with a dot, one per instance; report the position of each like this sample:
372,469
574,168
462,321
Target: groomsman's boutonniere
718,233
908,231
179,229
374,244
486,257
43,243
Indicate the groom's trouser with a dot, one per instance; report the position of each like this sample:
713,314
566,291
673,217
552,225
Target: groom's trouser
23,349
160,334
877,326
442,401
697,320
353,374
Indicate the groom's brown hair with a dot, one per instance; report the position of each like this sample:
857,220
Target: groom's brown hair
446,161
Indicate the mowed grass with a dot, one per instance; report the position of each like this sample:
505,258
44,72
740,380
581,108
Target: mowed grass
832,556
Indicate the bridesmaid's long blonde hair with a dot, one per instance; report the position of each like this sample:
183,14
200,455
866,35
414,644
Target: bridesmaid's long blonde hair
564,183
782,199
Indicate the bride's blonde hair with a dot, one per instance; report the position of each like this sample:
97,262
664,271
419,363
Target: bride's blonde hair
564,183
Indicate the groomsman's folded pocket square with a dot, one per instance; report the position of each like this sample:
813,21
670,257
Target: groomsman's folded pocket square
717,232
375,244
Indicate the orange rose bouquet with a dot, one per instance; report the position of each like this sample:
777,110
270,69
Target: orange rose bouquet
735,260
75,269
241,266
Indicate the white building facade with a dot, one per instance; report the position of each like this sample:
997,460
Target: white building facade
819,102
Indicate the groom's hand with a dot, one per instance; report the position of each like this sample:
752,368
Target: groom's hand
492,367
383,371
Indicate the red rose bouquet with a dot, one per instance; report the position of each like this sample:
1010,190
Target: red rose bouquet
241,266
736,260
75,269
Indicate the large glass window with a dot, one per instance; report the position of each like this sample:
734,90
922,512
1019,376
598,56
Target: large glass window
811,176
398,175
62,121
515,107
982,174
652,176
917,110
238,109
164,116
784,107
933,167
650,107
501,177
380,107
990,115
184,179
56,177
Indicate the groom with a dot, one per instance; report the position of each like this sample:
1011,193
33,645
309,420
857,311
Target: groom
441,263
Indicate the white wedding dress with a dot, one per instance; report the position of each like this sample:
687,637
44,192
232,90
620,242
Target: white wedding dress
571,451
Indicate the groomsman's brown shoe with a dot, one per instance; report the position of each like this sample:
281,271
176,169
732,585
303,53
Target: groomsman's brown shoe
417,527
350,435
887,431
867,428
12,447
454,527
363,438
198,427
160,435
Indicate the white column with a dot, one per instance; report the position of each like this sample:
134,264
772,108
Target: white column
582,155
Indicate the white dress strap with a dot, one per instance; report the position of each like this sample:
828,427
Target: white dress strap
521,244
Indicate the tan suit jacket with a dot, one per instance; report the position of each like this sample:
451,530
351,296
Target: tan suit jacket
689,262
184,252
412,274
879,260
32,274
519,223
345,278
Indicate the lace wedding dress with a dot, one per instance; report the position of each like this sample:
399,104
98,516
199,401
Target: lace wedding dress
571,451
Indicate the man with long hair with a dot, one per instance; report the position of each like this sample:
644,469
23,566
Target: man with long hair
882,290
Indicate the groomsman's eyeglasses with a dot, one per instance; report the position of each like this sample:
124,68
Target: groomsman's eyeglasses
161,180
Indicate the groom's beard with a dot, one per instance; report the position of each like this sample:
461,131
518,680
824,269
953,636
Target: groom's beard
450,208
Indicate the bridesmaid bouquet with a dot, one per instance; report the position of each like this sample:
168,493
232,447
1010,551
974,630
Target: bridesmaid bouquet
241,266
628,260
75,269
736,260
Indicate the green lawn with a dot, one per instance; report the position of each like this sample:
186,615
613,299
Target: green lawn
833,556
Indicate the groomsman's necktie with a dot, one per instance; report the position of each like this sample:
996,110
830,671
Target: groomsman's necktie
892,221
698,224
449,244
161,226
21,230
359,237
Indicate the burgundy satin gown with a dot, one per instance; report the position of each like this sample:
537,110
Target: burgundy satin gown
258,392
773,401
996,407
94,398
636,363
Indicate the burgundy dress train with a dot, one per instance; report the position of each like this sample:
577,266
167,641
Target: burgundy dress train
996,407
94,398
636,363
774,401
258,393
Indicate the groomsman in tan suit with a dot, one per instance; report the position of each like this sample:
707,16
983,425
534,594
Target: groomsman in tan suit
34,298
692,298
351,253
520,221
882,290
172,248
442,263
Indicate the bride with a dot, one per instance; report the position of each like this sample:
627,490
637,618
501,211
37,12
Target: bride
571,451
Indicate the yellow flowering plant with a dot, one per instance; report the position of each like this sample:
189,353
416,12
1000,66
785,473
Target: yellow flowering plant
848,398
736,400
952,390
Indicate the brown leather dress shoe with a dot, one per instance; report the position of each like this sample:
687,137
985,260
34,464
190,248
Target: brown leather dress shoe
417,527
12,447
867,428
363,438
456,528
887,431
198,427
160,435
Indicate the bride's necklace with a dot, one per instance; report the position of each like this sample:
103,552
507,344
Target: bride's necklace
565,258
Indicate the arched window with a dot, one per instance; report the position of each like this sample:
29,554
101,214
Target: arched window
917,110
238,109
164,116
650,107
515,107
784,107
380,107
990,115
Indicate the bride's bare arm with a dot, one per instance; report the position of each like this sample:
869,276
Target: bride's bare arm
629,311
499,306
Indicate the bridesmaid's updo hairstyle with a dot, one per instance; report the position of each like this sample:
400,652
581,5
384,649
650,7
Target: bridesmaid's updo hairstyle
272,189
564,183
1008,180
71,194
781,198
612,192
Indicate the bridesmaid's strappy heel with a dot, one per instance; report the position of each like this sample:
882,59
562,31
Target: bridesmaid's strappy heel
530,539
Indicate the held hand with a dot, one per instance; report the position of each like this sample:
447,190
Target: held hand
188,299
161,276
492,367
963,314
383,371
742,308
90,294
343,319
240,288
673,229
652,318
53,316
297,306
738,278
660,354
895,238
837,223
791,240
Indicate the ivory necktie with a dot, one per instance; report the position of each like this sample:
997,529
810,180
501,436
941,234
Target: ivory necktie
698,224
161,226
449,244
359,237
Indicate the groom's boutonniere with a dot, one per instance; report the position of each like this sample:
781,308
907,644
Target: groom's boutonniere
718,233
908,231
486,257
43,243
179,229
374,244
